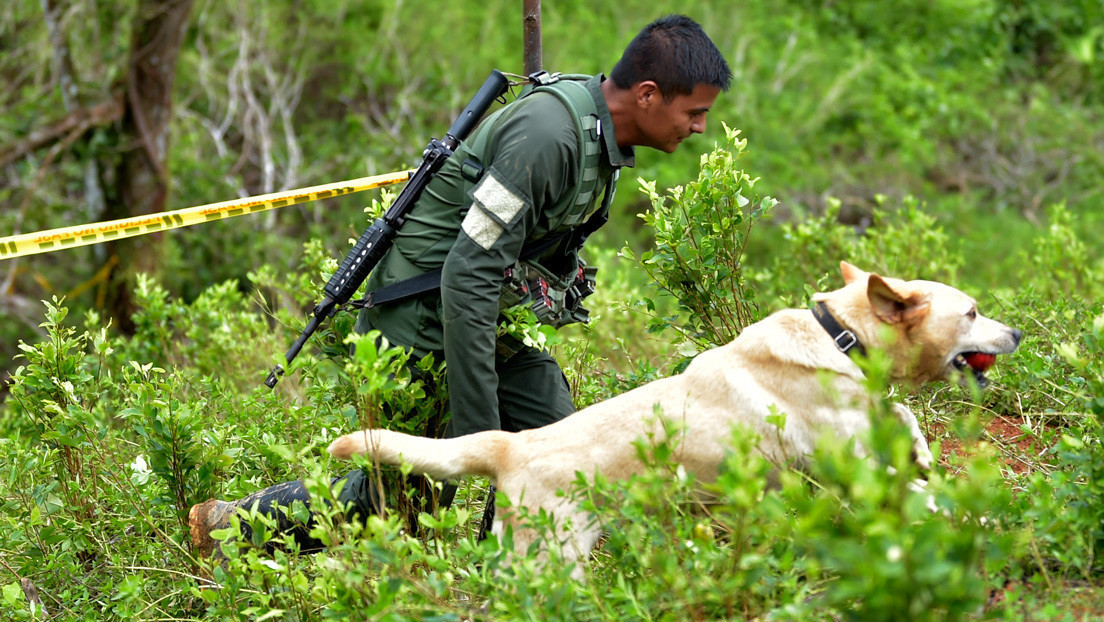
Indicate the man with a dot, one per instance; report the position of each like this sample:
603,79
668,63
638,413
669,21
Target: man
529,184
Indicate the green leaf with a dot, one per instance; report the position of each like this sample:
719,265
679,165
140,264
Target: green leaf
13,594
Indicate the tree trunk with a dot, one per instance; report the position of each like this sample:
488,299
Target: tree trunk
141,179
531,30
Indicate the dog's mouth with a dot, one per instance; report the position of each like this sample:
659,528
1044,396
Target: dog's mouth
977,362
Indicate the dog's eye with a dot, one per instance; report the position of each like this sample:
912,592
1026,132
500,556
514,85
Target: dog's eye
972,314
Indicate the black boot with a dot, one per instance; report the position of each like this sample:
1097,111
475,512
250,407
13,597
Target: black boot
274,501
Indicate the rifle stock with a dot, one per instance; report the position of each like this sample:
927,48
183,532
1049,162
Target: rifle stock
377,238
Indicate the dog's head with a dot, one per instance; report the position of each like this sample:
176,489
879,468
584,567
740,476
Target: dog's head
937,331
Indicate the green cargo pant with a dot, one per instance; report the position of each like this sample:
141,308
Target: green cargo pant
532,392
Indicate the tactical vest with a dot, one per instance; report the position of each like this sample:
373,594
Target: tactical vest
571,90
564,271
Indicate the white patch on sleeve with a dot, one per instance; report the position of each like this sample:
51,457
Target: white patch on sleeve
481,228
493,207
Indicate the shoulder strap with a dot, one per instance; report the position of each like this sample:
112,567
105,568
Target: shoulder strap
571,90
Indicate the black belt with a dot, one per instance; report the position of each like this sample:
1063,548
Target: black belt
407,288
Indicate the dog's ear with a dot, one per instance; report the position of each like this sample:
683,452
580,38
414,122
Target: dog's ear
851,273
897,306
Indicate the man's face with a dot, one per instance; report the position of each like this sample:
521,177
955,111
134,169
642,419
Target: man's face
665,124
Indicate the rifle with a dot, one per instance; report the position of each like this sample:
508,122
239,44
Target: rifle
377,238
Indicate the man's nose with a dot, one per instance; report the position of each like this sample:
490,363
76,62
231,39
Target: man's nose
698,126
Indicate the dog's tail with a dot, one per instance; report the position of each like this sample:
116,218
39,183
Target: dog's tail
441,458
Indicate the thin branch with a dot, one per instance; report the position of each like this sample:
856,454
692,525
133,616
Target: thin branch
78,121
70,94
33,599
63,59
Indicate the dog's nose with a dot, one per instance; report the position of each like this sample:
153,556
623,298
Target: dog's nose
1016,335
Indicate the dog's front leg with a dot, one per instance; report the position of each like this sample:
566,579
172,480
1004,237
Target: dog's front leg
921,455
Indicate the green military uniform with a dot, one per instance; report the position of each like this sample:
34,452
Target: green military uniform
472,222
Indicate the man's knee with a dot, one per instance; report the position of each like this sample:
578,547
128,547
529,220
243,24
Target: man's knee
358,495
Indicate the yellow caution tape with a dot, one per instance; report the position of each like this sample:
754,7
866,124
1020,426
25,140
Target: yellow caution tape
83,235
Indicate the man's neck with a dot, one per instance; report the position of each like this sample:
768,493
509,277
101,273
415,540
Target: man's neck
620,103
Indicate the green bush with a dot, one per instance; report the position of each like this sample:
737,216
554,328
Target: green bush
1064,505
901,239
700,236
76,519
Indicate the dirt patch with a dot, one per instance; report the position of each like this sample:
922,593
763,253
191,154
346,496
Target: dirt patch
1020,450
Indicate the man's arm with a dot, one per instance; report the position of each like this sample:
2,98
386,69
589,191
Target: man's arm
534,163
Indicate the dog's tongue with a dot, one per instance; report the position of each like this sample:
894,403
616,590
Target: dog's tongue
979,361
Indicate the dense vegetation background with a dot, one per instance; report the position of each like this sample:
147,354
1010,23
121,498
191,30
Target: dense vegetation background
959,141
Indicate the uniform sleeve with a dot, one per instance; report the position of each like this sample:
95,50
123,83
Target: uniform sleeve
531,164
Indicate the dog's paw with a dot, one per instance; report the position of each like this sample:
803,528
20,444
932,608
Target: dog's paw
934,508
346,446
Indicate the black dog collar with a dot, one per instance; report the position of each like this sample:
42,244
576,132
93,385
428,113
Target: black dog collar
845,339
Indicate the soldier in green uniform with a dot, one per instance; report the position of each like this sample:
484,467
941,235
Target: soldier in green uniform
522,192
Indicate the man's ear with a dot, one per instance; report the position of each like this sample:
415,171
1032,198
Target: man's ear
851,273
646,93
897,306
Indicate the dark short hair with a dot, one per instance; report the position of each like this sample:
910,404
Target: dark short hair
676,54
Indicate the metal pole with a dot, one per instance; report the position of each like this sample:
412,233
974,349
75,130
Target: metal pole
532,30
